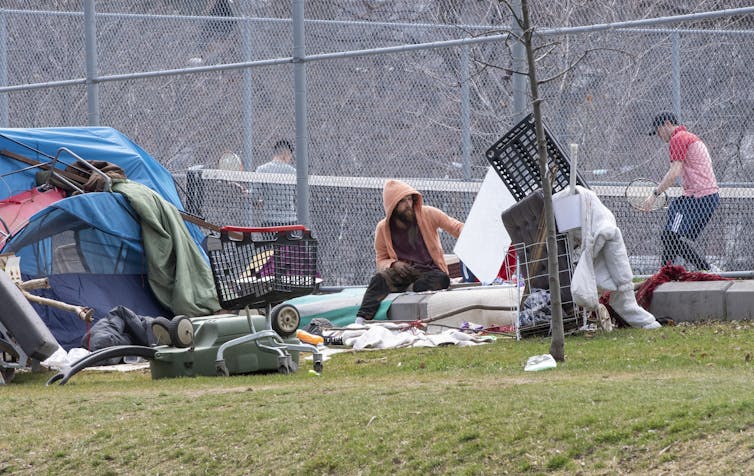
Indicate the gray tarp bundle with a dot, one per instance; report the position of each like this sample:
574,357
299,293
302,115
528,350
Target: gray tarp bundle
121,326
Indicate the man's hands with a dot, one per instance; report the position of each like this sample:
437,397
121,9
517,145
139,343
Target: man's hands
403,269
648,202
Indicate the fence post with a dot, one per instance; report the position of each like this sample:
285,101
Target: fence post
520,90
3,69
465,113
675,59
248,112
92,88
299,87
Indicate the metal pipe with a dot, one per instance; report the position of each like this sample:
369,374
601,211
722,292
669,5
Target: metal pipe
675,66
106,178
463,27
299,91
623,26
3,69
465,113
90,39
248,95
520,88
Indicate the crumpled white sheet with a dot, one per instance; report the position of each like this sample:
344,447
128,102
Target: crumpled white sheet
61,360
386,335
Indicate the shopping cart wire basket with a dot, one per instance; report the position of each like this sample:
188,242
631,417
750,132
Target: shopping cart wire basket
253,267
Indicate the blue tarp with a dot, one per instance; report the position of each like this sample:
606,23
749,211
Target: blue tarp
108,266
89,143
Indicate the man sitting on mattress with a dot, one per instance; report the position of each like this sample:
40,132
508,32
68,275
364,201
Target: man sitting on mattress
407,246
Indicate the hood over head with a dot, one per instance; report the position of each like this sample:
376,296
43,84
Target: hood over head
394,191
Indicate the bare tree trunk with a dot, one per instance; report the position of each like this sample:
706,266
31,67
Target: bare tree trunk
557,343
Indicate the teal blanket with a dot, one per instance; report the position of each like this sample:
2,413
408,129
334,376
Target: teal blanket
178,273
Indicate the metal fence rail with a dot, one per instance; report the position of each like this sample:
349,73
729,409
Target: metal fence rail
397,95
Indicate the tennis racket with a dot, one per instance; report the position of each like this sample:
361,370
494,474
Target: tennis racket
637,192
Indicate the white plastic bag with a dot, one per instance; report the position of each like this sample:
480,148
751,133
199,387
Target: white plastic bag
540,362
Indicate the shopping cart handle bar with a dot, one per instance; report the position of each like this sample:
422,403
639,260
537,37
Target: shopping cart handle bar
269,229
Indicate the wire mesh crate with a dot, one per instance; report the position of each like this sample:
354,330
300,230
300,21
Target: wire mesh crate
514,158
535,312
253,267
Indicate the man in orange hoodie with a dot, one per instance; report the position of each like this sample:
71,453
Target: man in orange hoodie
407,246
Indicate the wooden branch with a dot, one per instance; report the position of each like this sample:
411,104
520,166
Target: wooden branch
32,284
84,313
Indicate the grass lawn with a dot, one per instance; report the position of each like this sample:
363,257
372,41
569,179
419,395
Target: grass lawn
677,400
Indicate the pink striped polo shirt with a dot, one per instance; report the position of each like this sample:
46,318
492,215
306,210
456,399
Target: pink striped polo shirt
698,177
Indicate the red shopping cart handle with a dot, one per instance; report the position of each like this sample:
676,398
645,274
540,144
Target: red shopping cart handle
268,229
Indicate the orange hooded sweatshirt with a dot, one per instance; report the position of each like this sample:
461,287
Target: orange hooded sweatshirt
428,218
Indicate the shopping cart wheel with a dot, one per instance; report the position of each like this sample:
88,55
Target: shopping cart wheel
292,365
7,374
161,330
285,319
221,369
286,365
181,331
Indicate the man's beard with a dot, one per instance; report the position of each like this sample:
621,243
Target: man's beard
407,221
408,217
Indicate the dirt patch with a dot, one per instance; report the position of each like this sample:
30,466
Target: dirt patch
725,453
721,453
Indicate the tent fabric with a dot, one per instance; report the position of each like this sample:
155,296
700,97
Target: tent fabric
90,246
101,292
15,211
108,234
178,274
89,143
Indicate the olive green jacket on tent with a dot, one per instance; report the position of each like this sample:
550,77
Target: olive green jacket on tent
178,274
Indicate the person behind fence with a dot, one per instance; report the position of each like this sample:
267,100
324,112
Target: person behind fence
276,202
407,247
688,214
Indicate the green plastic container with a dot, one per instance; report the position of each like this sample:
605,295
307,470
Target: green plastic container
209,334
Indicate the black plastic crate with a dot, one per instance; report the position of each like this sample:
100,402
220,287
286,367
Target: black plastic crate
514,158
259,266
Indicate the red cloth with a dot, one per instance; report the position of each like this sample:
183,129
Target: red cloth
508,268
15,211
666,274
670,273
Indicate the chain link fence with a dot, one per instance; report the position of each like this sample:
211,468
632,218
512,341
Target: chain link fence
411,90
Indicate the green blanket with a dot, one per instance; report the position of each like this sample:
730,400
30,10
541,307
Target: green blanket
178,274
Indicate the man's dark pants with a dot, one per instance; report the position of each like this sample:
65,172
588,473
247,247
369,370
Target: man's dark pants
389,281
687,217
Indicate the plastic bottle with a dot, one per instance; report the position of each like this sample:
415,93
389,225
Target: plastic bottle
313,339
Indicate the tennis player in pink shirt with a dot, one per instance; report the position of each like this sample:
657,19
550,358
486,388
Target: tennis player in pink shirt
689,213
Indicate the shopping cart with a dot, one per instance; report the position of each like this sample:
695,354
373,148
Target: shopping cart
260,267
